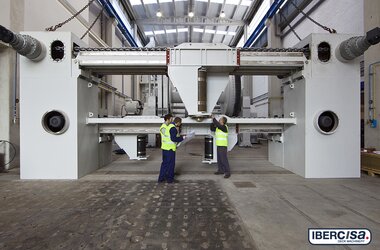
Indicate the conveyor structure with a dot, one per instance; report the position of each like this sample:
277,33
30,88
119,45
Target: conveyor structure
63,138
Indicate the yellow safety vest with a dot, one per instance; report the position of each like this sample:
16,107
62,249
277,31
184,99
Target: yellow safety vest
221,137
166,142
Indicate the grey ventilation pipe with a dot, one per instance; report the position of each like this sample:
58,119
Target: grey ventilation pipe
356,46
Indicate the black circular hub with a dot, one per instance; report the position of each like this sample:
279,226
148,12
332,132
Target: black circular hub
328,122
55,122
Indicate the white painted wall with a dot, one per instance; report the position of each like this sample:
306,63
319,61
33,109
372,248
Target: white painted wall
345,16
260,86
372,19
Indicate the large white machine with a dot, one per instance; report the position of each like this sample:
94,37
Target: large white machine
63,138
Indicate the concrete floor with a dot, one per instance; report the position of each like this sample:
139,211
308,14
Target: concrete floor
274,206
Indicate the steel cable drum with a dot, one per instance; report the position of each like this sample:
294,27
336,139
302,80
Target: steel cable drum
7,154
230,100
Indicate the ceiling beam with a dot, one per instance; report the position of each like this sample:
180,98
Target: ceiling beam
204,31
187,21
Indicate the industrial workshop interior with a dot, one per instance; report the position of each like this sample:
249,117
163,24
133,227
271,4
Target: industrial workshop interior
189,124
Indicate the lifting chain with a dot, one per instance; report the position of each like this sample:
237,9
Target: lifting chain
55,27
93,23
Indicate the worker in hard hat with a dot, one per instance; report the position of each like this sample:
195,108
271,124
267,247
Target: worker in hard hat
169,139
221,139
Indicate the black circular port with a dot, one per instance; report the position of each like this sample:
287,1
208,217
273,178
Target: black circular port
327,122
57,50
324,52
55,122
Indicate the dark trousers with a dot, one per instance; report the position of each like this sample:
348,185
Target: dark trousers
223,165
167,166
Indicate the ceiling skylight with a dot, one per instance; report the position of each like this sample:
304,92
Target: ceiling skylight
149,1
171,31
135,2
198,30
246,3
183,30
159,32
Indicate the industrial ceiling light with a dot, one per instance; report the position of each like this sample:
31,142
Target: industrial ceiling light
191,14
222,15
159,14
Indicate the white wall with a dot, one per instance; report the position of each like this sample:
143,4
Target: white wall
45,13
372,20
345,16
260,85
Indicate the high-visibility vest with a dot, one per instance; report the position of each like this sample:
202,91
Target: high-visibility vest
166,142
221,137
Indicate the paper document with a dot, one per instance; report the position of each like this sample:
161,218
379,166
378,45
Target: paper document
188,138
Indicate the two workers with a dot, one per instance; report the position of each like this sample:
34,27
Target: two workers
170,136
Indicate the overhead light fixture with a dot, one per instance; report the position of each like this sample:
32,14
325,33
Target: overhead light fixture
165,1
149,33
198,30
159,14
222,15
231,33
191,14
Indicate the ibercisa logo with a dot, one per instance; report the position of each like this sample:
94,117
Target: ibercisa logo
339,236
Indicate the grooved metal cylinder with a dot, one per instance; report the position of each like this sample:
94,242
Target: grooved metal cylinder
353,47
209,147
141,146
25,45
202,90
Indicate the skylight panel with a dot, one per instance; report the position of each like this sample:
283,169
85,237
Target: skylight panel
198,30
183,30
232,2
135,2
209,31
221,32
171,31
149,1
246,3
159,32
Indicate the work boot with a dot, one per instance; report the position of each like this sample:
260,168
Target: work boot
218,173
226,176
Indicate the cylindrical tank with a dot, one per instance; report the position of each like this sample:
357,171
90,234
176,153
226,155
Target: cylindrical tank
141,146
209,147
202,90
